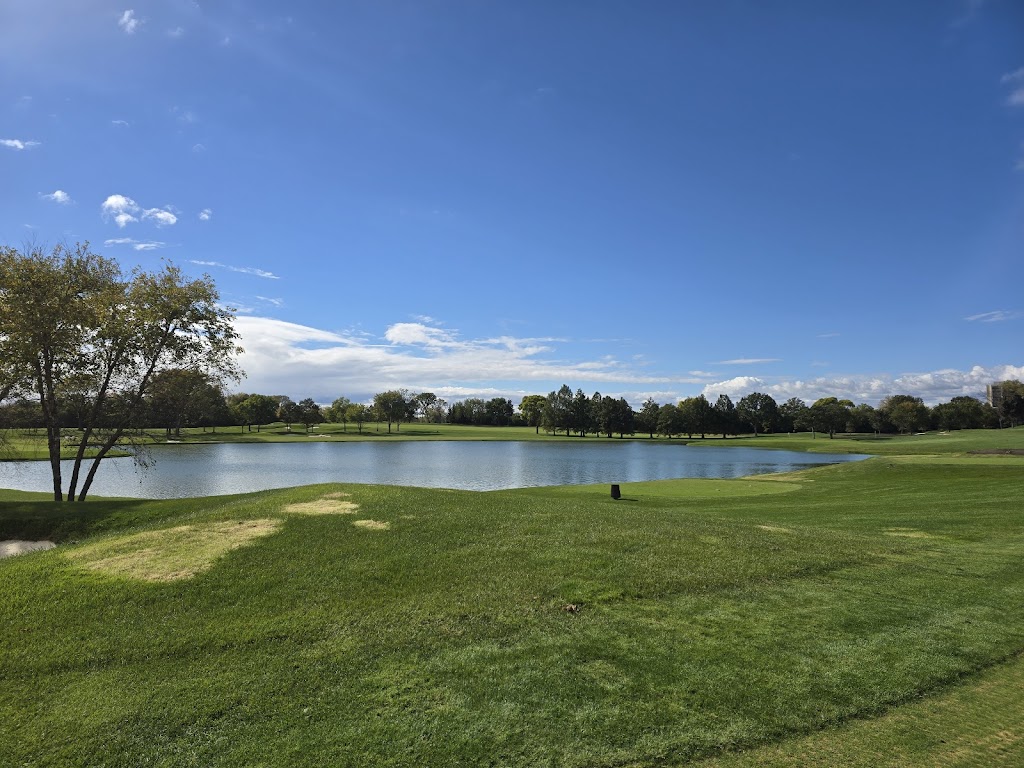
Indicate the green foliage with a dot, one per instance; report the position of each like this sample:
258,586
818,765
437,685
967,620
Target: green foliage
89,343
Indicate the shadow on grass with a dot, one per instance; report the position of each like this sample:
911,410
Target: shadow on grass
54,521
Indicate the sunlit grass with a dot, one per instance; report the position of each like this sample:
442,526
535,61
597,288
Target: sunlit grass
801,618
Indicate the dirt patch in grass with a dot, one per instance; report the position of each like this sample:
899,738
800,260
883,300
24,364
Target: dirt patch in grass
328,505
14,547
171,553
910,533
998,452
775,528
336,495
372,525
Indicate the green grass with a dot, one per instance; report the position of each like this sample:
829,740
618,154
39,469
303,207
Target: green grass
834,615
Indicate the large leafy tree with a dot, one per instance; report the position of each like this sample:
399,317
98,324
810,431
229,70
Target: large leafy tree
532,409
906,412
647,418
180,397
759,411
72,326
392,406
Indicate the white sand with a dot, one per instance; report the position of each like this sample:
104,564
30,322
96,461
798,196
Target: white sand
15,547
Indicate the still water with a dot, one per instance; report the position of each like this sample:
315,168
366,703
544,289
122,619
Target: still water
206,470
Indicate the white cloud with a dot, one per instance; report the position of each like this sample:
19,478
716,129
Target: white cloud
59,196
120,123
243,270
1016,98
827,335
205,215
18,144
128,22
286,357
1013,77
269,300
197,148
996,316
176,32
162,218
122,209
933,387
138,245
749,361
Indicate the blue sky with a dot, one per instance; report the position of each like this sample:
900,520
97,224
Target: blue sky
494,198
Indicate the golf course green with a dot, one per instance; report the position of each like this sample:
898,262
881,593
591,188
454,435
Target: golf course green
867,613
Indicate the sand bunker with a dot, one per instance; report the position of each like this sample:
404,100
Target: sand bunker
171,553
372,525
328,505
16,547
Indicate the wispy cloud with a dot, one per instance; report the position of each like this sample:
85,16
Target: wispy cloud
175,32
269,300
827,335
138,245
1015,80
120,123
243,270
995,316
58,196
128,22
749,361
205,215
18,144
160,216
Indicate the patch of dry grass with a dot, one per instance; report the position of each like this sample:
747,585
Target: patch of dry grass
372,525
327,505
171,553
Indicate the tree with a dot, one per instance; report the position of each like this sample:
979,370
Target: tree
906,412
391,406
179,397
338,412
499,411
71,324
669,421
425,402
1011,407
532,408
960,413
829,414
792,415
256,409
580,418
287,411
359,414
759,411
647,419
725,416
558,409
309,413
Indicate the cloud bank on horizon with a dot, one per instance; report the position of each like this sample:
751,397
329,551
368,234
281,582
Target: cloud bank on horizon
287,358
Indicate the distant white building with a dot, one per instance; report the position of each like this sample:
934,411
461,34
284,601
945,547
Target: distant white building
994,394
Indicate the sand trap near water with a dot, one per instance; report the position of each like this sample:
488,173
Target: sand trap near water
14,547
172,553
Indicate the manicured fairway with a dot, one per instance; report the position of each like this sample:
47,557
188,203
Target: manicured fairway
799,618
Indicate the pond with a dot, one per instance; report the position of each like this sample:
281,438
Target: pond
206,470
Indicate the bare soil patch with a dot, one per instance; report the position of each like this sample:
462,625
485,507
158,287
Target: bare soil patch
372,525
14,547
328,505
171,553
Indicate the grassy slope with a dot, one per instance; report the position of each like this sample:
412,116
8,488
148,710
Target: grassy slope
712,615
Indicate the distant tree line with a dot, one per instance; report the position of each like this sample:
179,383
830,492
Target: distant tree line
185,398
